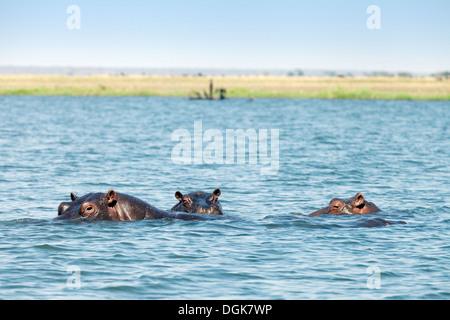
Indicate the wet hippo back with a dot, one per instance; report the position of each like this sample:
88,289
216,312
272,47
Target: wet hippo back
376,222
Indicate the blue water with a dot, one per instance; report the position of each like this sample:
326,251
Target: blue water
395,152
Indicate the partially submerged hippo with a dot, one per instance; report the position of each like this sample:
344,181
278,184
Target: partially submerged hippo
354,205
114,206
199,202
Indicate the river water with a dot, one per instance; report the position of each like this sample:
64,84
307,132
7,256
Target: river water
395,152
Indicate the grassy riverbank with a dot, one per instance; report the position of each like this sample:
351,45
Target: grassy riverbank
237,87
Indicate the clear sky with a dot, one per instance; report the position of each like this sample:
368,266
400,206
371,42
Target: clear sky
260,34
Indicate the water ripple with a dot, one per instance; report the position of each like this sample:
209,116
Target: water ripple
395,152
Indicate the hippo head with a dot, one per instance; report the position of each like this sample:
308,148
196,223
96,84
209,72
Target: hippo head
354,205
199,202
91,206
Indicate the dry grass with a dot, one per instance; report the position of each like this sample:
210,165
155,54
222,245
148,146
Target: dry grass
245,86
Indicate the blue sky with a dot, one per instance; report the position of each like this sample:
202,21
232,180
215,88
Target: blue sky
282,34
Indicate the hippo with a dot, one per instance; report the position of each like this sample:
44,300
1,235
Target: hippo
199,202
356,205
114,206
377,222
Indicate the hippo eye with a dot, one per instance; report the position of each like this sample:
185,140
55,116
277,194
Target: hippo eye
335,204
187,201
87,209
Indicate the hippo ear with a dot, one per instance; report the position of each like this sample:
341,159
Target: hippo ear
359,199
179,195
111,198
216,194
73,196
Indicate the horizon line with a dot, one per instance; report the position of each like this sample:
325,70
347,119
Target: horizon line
198,70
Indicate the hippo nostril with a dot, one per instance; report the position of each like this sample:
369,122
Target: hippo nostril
63,207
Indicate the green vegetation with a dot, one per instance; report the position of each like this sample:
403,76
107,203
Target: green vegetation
397,88
362,94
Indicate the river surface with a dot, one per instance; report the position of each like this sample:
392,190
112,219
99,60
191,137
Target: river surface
395,152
